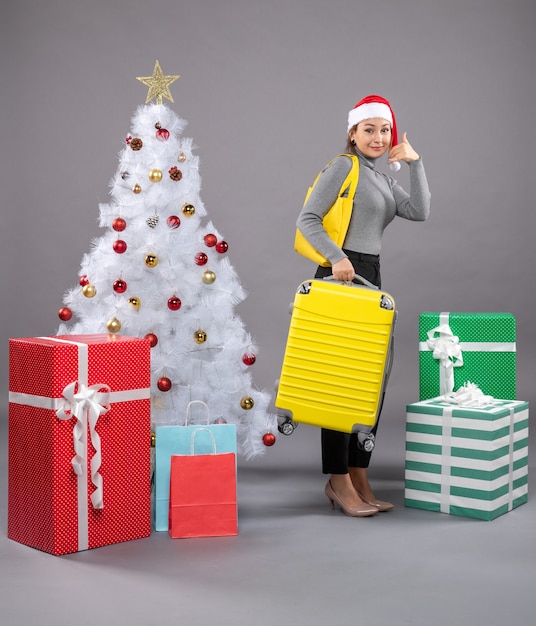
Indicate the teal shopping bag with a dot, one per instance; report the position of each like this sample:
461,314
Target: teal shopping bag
174,440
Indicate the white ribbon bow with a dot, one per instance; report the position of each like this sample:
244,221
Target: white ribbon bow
447,350
86,404
469,395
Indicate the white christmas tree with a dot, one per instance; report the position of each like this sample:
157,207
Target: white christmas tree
162,272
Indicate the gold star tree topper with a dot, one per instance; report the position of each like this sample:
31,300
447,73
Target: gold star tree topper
158,85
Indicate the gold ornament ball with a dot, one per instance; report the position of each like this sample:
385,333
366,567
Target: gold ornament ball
136,188
188,209
151,260
182,157
247,403
113,325
135,302
155,176
209,277
200,336
89,291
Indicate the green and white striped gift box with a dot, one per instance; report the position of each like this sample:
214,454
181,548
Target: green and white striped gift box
466,461
467,347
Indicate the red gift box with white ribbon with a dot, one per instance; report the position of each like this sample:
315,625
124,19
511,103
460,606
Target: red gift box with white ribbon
79,441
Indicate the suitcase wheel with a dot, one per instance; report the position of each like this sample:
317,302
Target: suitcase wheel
287,427
366,441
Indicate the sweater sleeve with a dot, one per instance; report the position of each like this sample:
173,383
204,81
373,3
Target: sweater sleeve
414,205
322,198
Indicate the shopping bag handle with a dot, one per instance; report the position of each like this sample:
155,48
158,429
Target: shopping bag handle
359,278
196,402
192,440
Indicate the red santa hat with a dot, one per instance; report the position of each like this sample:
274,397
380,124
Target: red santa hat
375,106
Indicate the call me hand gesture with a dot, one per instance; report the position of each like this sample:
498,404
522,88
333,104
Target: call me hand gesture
403,151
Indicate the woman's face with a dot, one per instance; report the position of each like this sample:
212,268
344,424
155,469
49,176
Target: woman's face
372,137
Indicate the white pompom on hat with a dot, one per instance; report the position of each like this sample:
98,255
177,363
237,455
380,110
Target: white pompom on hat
375,106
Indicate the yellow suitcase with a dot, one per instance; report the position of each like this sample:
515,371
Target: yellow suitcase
337,358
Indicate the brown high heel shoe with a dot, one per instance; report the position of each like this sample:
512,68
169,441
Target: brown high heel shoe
380,505
363,510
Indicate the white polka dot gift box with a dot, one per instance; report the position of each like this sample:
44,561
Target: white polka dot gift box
78,443
455,348
470,461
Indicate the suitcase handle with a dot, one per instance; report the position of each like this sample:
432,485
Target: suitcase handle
359,278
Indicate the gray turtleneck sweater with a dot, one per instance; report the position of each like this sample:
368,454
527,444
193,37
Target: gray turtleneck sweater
378,200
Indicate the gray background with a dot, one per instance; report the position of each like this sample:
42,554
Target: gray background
266,87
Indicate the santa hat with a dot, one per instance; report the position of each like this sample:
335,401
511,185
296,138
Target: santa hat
375,106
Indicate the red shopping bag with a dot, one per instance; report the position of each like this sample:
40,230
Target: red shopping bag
202,493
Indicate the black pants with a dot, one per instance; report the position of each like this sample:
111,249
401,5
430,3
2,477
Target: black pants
340,450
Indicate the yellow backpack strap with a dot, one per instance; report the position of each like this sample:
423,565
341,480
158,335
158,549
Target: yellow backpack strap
350,182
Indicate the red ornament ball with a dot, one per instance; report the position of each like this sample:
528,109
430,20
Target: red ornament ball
268,439
119,224
65,314
201,258
164,384
153,339
174,304
119,246
119,286
210,240
249,359
162,134
173,221
222,247
84,280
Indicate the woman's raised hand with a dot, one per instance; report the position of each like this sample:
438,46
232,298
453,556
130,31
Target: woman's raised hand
403,151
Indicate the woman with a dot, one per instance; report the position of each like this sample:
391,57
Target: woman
372,133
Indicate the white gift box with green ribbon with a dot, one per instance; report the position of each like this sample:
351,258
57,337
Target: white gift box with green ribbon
468,461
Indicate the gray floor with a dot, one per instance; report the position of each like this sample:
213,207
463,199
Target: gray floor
293,562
